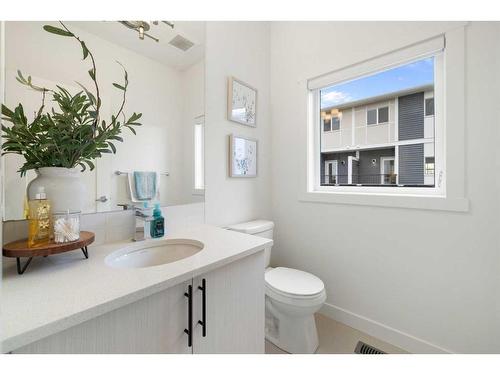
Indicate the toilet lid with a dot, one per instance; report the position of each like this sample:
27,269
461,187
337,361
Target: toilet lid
292,281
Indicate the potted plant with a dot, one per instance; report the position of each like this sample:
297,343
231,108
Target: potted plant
62,142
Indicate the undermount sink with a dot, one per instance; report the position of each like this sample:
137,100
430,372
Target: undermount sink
153,253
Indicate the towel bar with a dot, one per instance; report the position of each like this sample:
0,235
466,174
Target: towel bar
118,173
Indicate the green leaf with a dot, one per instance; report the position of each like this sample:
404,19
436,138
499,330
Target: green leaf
119,86
89,94
20,76
90,164
83,167
132,130
112,147
69,133
57,31
84,49
6,111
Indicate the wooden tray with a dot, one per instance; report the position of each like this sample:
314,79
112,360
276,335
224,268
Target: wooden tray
18,249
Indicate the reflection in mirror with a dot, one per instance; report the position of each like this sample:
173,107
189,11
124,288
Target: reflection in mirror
166,85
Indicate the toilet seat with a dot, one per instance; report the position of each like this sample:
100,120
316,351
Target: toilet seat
294,287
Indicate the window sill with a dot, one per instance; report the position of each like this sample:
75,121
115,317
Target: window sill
200,192
421,202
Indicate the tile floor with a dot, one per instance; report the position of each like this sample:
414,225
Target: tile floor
337,338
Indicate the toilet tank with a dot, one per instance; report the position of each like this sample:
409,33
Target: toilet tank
261,228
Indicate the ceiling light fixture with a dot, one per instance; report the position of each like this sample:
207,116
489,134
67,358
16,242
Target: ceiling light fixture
141,27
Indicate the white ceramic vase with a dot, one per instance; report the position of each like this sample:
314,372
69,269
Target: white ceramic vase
63,187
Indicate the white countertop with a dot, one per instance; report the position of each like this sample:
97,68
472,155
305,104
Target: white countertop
64,290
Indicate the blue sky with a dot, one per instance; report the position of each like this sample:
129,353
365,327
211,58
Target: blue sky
417,73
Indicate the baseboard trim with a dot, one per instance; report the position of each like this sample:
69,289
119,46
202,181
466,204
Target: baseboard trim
391,335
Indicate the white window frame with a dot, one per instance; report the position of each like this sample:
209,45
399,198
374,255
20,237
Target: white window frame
377,109
340,123
388,114
449,191
438,189
376,116
199,152
323,126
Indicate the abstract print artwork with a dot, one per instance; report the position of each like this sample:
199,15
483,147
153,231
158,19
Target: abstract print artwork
242,157
241,103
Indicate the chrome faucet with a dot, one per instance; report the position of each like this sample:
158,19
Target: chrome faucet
142,224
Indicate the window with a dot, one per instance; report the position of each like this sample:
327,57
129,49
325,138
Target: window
335,123
447,193
396,155
429,165
403,87
199,155
331,121
377,116
429,107
383,115
327,123
371,117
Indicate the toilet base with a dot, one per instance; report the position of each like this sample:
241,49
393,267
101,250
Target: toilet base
293,334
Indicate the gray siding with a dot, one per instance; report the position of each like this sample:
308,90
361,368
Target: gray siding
369,173
342,164
411,164
411,116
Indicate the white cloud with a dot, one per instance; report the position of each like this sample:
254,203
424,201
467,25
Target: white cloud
335,97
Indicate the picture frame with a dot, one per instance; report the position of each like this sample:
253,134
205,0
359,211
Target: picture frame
241,102
243,156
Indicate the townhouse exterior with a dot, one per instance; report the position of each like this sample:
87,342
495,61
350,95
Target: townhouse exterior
384,140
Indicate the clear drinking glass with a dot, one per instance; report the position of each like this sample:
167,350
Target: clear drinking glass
66,226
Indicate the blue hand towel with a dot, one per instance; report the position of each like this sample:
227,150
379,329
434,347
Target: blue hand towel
145,185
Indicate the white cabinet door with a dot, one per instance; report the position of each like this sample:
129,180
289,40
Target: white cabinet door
154,324
234,308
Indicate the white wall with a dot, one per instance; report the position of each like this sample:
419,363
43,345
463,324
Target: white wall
424,280
193,92
155,89
239,49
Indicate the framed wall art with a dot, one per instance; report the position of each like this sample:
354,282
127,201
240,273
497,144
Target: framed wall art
242,156
241,103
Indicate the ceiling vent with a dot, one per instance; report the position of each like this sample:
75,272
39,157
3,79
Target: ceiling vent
181,42
363,348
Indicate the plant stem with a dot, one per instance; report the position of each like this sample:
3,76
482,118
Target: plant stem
98,98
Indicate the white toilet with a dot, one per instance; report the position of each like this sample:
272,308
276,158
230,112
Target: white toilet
292,298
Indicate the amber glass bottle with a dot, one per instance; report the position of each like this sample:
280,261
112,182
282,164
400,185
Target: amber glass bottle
39,218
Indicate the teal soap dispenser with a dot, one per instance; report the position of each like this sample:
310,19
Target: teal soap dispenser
158,223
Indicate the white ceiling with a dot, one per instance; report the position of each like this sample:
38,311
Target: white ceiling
161,51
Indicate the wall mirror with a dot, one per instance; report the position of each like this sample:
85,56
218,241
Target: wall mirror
166,73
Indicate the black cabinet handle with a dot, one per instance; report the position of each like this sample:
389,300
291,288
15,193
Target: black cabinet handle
189,330
203,322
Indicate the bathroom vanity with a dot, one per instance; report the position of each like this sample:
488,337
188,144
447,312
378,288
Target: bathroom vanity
209,302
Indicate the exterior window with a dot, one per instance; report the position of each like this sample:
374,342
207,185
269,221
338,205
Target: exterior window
429,107
371,117
199,160
335,123
377,116
429,166
383,151
327,123
383,115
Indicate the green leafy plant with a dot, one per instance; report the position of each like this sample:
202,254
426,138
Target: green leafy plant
72,135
